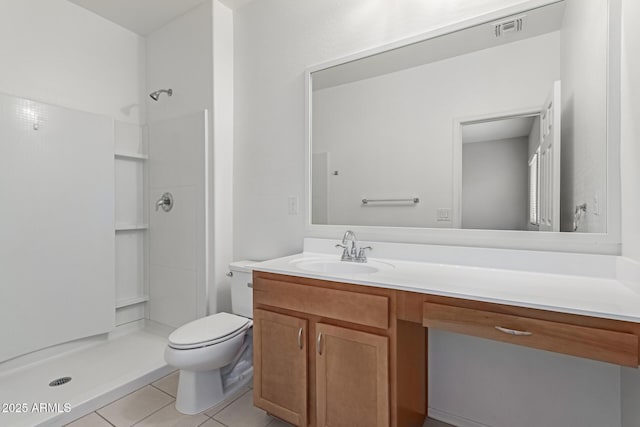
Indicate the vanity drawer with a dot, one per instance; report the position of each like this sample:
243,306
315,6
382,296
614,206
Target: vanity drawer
353,307
599,344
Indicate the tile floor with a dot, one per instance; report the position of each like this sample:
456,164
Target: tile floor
153,406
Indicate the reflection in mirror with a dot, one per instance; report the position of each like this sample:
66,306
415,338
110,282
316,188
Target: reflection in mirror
498,126
500,173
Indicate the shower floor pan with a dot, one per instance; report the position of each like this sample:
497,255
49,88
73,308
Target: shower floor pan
99,374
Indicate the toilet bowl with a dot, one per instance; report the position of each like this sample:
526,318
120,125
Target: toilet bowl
199,349
214,353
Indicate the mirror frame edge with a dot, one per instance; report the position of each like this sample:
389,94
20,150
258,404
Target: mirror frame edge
608,243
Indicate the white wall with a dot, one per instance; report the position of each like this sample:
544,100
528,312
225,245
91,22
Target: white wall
630,147
501,385
177,164
584,96
57,52
392,136
495,184
275,41
193,55
220,291
180,57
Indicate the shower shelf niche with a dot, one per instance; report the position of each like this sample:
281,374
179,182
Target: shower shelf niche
131,156
131,222
131,227
131,301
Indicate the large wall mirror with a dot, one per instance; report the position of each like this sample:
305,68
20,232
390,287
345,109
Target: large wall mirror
501,125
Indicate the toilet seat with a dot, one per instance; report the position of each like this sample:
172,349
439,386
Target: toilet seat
208,331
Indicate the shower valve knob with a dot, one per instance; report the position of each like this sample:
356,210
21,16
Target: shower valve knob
165,202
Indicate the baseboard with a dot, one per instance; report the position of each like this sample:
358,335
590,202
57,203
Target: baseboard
452,419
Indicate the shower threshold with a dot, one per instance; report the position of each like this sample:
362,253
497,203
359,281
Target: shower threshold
98,375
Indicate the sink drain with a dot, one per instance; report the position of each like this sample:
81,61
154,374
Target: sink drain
59,381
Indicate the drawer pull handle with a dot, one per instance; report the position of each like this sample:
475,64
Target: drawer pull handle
319,344
514,332
300,338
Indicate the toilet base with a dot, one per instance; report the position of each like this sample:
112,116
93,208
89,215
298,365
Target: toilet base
198,391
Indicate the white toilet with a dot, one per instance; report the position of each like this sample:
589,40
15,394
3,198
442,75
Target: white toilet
214,353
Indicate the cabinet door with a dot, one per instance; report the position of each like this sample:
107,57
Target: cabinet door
280,366
352,377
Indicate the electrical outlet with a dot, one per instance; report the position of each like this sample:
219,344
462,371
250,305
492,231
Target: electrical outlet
292,205
444,214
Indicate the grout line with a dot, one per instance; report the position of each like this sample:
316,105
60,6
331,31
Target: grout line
157,410
114,401
238,396
158,388
211,419
108,422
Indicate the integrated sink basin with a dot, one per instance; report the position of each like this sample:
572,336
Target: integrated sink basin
340,267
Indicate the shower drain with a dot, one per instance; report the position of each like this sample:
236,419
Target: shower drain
59,381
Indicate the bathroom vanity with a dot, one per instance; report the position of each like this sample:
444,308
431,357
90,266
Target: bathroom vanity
334,342
403,143
326,350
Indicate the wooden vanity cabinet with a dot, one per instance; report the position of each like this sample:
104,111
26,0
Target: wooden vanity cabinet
352,378
280,365
362,368
330,354
605,340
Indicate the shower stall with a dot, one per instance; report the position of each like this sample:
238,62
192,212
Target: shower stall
92,277
92,267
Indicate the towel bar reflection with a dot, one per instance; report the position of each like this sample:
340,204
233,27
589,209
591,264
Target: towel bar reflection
413,200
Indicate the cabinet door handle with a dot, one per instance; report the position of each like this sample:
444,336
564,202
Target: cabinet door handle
514,332
319,344
300,338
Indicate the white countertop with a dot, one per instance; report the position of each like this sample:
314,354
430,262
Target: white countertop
603,297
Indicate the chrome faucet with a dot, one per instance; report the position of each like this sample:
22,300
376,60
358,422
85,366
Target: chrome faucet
350,236
350,251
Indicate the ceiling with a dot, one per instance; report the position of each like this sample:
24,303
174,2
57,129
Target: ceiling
495,130
145,16
538,21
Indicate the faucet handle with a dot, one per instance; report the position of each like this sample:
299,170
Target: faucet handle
345,252
362,256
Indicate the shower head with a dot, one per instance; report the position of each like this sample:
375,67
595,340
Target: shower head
155,95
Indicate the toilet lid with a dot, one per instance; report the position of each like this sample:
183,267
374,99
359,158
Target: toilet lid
207,329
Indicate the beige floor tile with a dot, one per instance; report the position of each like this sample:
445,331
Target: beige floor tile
169,384
170,417
212,423
430,422
220,406
279,423
135,407
91,420
242,413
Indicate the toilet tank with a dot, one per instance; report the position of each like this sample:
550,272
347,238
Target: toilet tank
241,288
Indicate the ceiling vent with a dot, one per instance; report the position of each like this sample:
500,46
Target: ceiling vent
511,25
